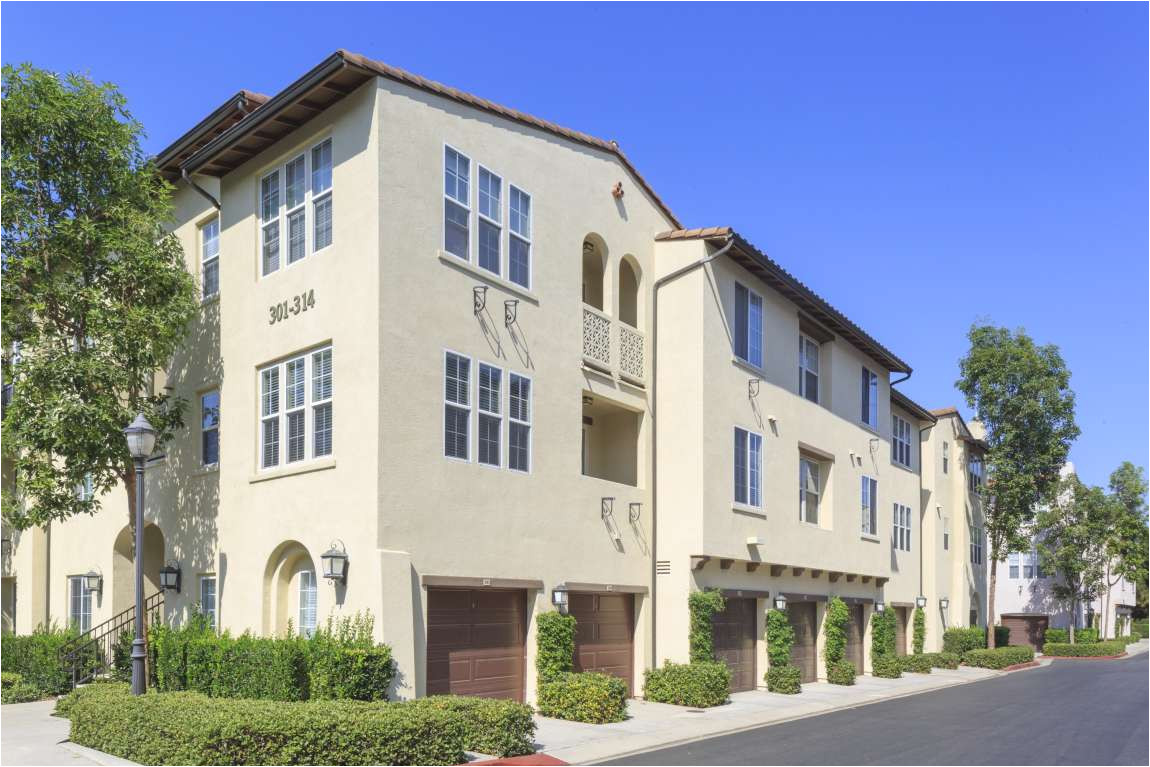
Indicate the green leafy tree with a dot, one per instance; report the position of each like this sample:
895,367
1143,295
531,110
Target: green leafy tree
1072,542
1126,541
96,293
1021,394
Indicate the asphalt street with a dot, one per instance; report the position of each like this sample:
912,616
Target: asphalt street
1071,712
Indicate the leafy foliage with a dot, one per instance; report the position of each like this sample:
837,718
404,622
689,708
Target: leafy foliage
1056,636
1021,394
916,664
886,666
555,645
36,658
943,659
835,628
702,606
344,663
884,630
780,638
785,680
586,697
841,672
959,640
96,294
490,726
699,684
998,657
1084,650
919,630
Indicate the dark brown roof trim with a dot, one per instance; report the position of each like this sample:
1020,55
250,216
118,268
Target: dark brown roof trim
221,119
915,409
755,261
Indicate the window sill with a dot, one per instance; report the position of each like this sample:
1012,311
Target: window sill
491,279
903,466
867,427
745,508
287,471
750,367
869,537
205,470
814,526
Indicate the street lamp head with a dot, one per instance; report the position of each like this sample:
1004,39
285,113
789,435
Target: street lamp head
141,438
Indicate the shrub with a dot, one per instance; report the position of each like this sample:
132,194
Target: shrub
1086,636
786,680
961,640
490,726
1057,636
555,642
1089,650
189,728
36,657
250,667
943,659
351,673
1001,636
841,672
883,634
20,692
780,637
1141,628
10,679
919,630
699,685
914,664
886,666
703,605
999,657
835,630
587,697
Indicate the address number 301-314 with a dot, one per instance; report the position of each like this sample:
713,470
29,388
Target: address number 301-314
290,308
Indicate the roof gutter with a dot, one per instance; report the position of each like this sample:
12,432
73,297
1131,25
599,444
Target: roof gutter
655,424
203,192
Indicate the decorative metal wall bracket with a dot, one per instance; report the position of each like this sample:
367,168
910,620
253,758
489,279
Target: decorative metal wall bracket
510,311
753,387
479,298
633,512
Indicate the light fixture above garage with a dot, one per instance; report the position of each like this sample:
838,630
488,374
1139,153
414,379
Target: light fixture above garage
879,607
943,603
780,601
559,598
920,601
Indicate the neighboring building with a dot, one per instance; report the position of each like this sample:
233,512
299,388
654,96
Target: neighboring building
1025,595
474,352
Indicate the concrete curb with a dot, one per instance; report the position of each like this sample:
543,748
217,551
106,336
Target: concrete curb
99,757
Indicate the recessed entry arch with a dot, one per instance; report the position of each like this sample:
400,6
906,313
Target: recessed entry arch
290,590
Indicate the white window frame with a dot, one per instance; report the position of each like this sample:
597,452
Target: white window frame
974,474
207,260
307,407
85,491
975,545
752,480
496,414
78,592
465,205
213,613
868,497
902,527
496,223
1013,569
868,397
749,330
900,441
528,423
945,457
204,429
306,205
309,609
526,238
466,407
804,342
805,492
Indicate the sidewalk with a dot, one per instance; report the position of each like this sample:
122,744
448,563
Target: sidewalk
33,736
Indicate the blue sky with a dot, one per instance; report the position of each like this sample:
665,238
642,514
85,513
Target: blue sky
922,166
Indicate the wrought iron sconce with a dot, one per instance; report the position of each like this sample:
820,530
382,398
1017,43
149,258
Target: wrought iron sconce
479,298
510,311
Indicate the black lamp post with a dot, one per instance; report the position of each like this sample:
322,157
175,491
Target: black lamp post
141,439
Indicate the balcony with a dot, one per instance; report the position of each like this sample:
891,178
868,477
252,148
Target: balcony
614,347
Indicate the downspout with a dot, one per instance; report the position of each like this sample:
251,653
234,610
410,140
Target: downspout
655,424
203,192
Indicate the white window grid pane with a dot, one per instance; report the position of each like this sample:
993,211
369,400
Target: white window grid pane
270,197
297,236
208,598
211,278
755,464
209,426
519,429
307,603
323,429
489,238
295,182
271,247
519,261
456,177
490,431
294,386
740,465
457,379
270,391
323,222
291,425
755,329
490,195
271,442
321,167
519,217
456,229
490,386
321,375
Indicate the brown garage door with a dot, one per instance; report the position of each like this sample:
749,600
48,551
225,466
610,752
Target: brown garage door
475,642
1027,629
804,653
734,634
604,633
854,649
900,620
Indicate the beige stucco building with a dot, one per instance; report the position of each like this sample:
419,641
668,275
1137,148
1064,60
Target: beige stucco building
474,352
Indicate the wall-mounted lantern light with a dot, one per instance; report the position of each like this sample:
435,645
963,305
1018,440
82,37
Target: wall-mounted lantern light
780,601
879,607
93,581
920,601
170,578
559,598
335,563
944,603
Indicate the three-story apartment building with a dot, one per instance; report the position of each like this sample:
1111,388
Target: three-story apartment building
475,354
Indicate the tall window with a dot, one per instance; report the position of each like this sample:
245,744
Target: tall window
79,604
869,495
456,405
809,491
456,203
210,428
307,595
946,533
519,241
490,226
210,258
808,369
208,598
1031,566
975,545
490,414
748,467
869,398
286,195
519,428
86,490
974,474
1013,562
900,441
290,409
748,325
945,458
901,527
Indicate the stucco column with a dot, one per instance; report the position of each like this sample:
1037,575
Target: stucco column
400,623
761,661
821,640
868,610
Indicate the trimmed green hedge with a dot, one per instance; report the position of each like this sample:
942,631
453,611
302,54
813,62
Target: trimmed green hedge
1056,636
698,685
490,726
1141,628
351,673
36,658
841,672
919,630
190,728
555,643
780,638
835,630
914,664
702,606
961,640
886,666
1086,636
943,659
884,662
786,680
999,657
585,697
1088,650
13,689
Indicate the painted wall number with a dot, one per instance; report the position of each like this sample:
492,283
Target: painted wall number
290,308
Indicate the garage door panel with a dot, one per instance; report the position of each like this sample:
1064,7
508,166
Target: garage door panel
733,634
476,642
854,648
604,633
803,652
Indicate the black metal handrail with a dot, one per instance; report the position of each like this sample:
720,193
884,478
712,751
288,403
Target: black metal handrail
91,654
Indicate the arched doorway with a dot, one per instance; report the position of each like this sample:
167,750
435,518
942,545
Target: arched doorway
629,301
594,271
291,589
124,566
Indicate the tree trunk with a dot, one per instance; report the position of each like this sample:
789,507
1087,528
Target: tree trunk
1073,617
990,601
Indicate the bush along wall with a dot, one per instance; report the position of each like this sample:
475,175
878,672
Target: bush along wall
700,684
781,676
883,658
999,657
1084,650
917,664
1056,636
555,645
839,671
702,606
919,630
585,697
36,658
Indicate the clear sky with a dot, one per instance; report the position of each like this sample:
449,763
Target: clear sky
921,166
